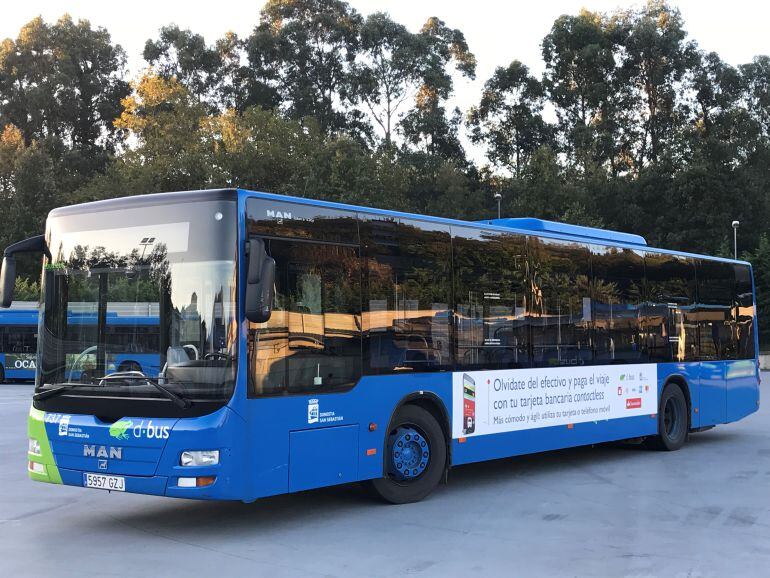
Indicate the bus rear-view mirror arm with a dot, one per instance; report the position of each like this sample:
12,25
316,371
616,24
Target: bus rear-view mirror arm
260,282
35,244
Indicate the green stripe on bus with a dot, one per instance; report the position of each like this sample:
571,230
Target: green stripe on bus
36,430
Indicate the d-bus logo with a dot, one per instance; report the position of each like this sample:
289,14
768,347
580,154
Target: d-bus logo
312,411
278,214
121,428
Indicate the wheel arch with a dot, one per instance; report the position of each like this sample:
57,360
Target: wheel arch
434,405
681,381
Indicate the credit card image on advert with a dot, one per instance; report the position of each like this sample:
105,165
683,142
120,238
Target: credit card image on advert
469,404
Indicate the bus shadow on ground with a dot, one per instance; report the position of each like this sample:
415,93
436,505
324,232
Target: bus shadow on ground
314,508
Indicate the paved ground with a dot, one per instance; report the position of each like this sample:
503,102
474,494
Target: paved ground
605,511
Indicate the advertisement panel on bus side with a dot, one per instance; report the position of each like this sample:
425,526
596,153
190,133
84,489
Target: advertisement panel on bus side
519,399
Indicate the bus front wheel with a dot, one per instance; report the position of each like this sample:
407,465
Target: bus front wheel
415,457
673,422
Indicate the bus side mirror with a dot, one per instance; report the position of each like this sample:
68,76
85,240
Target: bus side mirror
7,281
260,283
35,244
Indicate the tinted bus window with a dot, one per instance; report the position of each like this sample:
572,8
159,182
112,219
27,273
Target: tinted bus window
292,220
490,292
559,309
312,341
668,317
617,295
744,312
716,291
19,339
406,314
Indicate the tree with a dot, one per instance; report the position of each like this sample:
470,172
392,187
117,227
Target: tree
28,190
389,71
755,77
581,80
63,82
760,259
427,124
165,121
508,119
308,47
657,59
185,56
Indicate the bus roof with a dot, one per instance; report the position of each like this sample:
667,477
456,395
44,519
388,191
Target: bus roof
524,226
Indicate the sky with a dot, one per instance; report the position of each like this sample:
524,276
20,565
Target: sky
497,31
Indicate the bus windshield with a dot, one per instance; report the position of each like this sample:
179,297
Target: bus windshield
160,279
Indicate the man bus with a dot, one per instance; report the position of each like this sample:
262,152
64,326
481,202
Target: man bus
133,338
304,344
18,341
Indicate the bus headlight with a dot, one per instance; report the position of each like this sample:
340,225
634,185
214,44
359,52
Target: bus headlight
34,447
199,458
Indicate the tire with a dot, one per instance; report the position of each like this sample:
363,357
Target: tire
415,457
2,374
673,420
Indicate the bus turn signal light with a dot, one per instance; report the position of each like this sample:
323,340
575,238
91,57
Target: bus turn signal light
198,482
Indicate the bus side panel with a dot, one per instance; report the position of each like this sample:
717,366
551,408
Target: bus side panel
18,365
502,445
742,388
712,393
690,372
369,405
532,440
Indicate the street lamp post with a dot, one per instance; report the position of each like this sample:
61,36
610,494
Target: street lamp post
498,198
735,238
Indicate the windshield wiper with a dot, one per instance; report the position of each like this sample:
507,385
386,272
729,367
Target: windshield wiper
59,389
124,376
129,376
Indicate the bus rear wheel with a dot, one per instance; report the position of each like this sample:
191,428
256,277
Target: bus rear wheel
673,422
415,457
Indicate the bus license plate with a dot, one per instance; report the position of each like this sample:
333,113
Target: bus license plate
101,482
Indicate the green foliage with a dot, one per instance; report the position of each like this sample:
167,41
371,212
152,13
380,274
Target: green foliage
26,290
508,119
651,134
760,260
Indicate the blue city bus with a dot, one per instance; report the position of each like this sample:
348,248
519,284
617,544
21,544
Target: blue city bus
134,340
133,343
18,342
304,344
